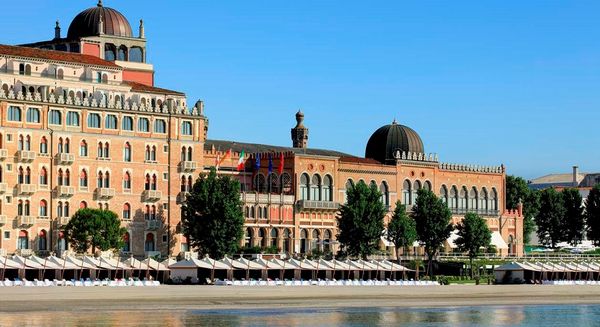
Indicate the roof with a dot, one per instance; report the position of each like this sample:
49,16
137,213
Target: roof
86,23
68,57
558,179
139,87
262,148
389,139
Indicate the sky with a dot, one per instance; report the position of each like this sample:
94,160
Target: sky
482,82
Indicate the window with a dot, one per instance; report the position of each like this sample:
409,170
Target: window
304,187
160,126
127,152
43,145
83,178
406,193
136,54
385,194
43,176
126,211
23,242
127,181
60,73
122,53
83,149
14,113
55,117
127,123
315,188
186,128
43,208
110,122
33,115
72,118
94,120
149,244
143,125
126,241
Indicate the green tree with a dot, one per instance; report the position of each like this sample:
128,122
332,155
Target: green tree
549,219
574,219
95,229
360,220
592,214
212,217
517,191
401,229
473,235
432,218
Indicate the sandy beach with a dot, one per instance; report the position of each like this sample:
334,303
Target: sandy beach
215,297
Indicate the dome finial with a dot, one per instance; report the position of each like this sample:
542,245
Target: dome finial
99,3
394,122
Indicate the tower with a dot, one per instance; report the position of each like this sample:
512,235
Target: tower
299,132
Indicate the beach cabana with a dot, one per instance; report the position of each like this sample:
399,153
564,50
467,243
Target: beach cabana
253,269
138,268
29,269
161,270
188,269
9,268
218,269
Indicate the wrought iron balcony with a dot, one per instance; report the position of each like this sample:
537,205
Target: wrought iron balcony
26,189
317,205
25,156
151,196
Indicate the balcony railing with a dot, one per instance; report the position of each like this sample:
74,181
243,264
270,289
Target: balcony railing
187,166
25,156
105,193
25,221
65,158
25,189
153,224
24,252
3,154
63,221
481,212
320,205
65,191
3,220
3,188
151,195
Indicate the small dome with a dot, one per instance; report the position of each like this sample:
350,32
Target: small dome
389,139
86,23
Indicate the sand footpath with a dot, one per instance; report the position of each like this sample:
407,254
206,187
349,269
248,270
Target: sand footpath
20,299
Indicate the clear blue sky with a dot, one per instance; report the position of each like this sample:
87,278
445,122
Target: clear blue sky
482,82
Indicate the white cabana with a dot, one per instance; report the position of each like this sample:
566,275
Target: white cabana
26,263
135,264
8,263
155,265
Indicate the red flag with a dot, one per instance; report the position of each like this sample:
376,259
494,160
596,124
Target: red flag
280,168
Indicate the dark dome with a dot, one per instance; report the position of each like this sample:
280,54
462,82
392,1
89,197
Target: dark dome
391,138
86,23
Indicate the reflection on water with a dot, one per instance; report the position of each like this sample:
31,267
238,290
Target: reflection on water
573,315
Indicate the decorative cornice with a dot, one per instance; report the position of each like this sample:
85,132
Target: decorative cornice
360,171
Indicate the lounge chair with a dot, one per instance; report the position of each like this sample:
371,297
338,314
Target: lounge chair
8,282
18,282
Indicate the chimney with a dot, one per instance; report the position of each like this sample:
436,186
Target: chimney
57,30
575,173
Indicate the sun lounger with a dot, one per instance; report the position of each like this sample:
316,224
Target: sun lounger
104,282
28,283
18,282
8,282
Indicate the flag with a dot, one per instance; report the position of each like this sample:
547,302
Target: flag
222,159
241,161
270,165
280,168
257,163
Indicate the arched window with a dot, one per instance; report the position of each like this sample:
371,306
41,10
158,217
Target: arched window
127,123
42,244
83,205
473,200
444,194
147,212
43,208
316,239
349,185
304,187
493,200
127,152
43,176
60,73
406,193
251,215
190,183
186,128
23,241
303,241
326,241
60,145
100,179
122,53
154,182
315,188
385,193
287,240
183,184
259,183
21,176
28,175
21,143
33,115
72,118
327,191
66,209
143,125
27,143
127,181
93,120
55,117
147,182
248,237
110,122
427,186
454,197
83,149
153,213
274,235
27,208
149,244
273,183
14,113
67,178
189,153
83,178
483,199
153,153
43,145
110,52
160,126
462,198
126,242
107,180
136,54
106,150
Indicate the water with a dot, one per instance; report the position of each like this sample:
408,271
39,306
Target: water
547,316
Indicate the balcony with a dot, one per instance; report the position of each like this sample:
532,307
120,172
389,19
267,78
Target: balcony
151,196
63,221
3,220
24,252
481,212
25,221
187,166
65,158
65,191
181,197
317,205
25,156
26,189
3,154
3,188
105,193
153,224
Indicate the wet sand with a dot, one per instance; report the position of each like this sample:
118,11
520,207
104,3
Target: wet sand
21,299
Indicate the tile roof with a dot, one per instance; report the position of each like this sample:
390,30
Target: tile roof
69,57
150,89
263,148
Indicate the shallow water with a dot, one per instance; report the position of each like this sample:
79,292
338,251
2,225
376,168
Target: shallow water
551,315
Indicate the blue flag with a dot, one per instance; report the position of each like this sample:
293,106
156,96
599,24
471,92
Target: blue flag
270,165
257,164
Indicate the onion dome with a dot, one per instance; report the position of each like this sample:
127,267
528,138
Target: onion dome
389,139
87,23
